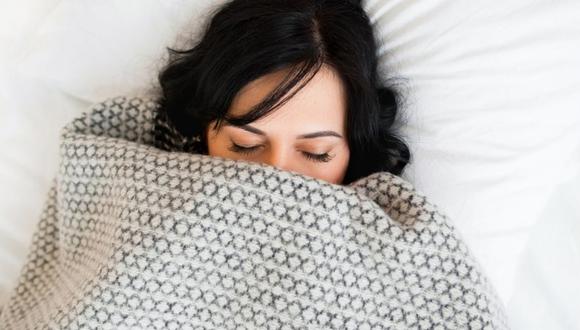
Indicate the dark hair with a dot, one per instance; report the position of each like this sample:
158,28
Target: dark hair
246,39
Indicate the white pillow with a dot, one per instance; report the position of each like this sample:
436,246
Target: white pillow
95,49
493,107
495,110
494,119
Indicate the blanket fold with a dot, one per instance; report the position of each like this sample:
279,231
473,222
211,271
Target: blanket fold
138,232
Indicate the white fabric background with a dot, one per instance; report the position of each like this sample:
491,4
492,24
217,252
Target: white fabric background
492,118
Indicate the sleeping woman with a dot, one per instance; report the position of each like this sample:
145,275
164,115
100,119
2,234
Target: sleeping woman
260,190
293,84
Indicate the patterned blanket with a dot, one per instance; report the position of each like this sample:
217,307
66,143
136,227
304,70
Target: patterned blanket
137,236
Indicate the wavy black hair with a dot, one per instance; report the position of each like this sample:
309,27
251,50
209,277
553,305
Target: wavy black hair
246,39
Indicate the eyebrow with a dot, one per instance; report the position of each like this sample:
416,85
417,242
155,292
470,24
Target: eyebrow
303,136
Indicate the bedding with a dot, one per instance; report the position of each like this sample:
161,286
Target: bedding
492,107
138,232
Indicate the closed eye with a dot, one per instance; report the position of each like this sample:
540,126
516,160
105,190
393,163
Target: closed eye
325,157
322,158
241,149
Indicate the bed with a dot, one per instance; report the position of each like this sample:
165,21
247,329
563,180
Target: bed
492,116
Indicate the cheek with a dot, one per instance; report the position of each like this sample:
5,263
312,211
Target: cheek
216,145
340,169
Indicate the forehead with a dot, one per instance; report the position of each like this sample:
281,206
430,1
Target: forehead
320,104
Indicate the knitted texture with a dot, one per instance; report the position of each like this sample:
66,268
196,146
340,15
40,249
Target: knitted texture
137,233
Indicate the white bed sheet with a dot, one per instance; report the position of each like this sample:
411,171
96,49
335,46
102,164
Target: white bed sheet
547,282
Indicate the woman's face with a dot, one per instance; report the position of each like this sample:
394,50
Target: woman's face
306,135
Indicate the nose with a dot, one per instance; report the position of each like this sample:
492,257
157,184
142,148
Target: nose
278,158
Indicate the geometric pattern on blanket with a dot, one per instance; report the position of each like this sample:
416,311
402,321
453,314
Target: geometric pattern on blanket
138,233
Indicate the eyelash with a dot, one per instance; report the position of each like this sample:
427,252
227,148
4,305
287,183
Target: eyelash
323,158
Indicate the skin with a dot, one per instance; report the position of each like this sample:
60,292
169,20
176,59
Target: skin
306,135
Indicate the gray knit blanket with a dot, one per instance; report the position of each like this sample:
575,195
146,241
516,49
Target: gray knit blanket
137,233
